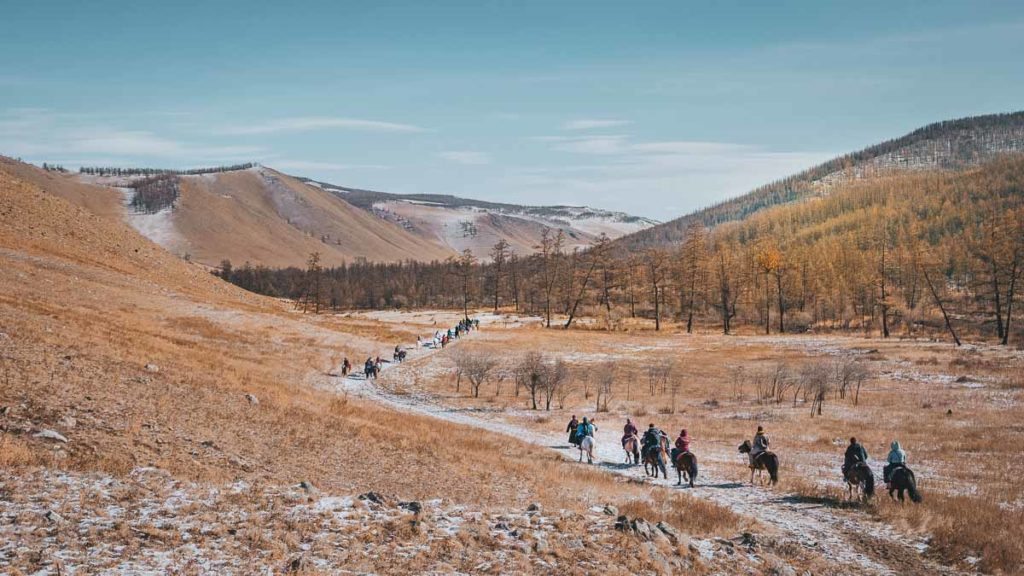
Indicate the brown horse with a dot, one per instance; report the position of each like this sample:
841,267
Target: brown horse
686,465
632,447
655,457
860,480
765,461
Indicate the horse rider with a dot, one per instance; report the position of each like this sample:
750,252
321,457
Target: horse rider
652,437
897,459
346,367
630,431
586,428
759,445
855,454
369,368
682,444
571,429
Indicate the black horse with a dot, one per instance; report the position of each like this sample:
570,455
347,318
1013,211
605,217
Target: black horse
766,460
902,480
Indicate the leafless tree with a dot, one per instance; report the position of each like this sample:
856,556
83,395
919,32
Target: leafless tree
555,377
605,383
816,381
478,365
529,373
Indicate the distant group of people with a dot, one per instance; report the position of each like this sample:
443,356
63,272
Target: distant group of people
371,368
373,365
857,455
444,337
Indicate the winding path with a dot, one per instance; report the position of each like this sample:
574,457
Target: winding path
848,538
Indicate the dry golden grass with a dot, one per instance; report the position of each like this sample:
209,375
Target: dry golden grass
956,412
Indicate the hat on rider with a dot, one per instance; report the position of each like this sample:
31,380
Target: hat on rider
650,425
682,432
760,429
853,439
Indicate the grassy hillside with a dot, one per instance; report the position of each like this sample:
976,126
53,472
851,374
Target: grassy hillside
953,144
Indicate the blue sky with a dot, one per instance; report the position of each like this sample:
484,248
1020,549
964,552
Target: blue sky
655,108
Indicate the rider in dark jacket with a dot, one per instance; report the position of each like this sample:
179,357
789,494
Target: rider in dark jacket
855,454
651,437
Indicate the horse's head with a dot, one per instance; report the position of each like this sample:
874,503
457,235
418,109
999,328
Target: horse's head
745,447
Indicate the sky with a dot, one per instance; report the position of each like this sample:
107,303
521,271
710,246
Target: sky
654,108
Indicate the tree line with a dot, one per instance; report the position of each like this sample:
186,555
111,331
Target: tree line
121,171
916,253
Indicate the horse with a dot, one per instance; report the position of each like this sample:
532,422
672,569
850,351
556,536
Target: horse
860,480
764,461
587,447
632,447
370,371
686,465
902,480
654,458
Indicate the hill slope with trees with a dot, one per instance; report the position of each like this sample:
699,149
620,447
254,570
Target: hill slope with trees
947,145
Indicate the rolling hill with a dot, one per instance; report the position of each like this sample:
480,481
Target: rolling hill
946,145
256,214
461,223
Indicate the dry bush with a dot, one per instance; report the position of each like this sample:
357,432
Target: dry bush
689,514
16,453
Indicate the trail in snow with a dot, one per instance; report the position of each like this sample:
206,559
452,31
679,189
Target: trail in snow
832,533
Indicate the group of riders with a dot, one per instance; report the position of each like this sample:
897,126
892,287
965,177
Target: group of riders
650,445
443,338
373,366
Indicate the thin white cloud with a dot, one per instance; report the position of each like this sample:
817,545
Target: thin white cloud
468,157
324,166
592,123
40,133
312,123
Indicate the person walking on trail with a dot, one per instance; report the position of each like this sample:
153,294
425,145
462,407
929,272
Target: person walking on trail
897,459
855,454
571,429
759,445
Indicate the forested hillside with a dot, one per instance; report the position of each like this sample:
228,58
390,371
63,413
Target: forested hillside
901,253
952,144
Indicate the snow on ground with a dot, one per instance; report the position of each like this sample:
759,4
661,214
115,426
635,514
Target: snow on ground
148,523
158,227
814,526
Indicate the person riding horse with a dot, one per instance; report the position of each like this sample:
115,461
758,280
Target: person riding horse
586,428
855,455
897,459
759,445
682,445
652,438
629,431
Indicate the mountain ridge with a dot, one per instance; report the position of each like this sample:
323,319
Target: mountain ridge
946,144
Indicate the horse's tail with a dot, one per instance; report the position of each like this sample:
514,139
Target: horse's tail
915,496
772,464
869,482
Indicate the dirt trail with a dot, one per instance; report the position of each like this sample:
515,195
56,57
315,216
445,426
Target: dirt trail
847,538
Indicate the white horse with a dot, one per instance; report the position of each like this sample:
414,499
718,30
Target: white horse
587,446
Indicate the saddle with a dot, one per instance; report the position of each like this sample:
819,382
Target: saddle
754,459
